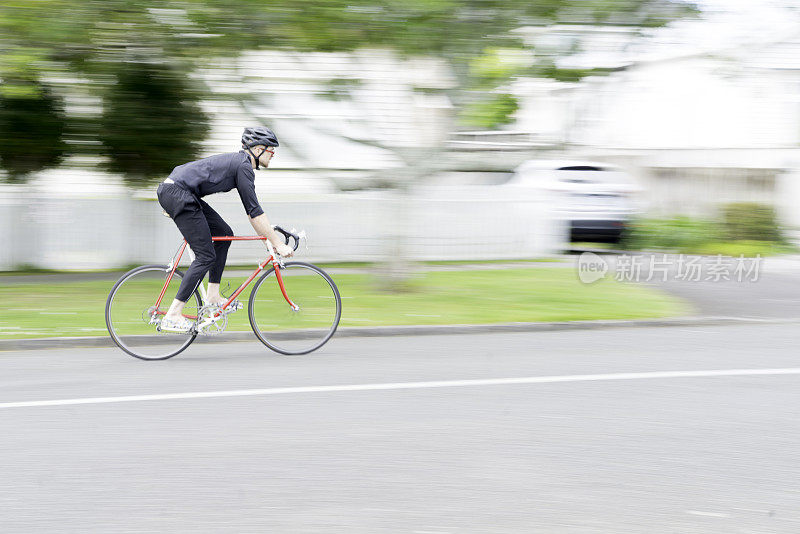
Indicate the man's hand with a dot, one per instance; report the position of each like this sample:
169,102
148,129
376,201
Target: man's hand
284,250
263,227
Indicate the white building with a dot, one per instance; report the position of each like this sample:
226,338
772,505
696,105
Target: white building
698,123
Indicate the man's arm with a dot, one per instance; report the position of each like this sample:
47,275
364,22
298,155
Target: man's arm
263,228
245,184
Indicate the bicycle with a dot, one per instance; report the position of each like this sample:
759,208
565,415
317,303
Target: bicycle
297,317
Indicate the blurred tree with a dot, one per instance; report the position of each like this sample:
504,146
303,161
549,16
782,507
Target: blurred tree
150,122
32,125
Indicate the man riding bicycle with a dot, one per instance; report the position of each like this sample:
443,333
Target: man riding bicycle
180,196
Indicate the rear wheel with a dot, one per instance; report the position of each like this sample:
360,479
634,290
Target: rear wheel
132,318
284,329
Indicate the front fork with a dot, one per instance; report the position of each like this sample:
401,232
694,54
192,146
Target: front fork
277,264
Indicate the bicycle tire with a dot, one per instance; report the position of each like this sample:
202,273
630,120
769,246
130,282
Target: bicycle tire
319,336
118,338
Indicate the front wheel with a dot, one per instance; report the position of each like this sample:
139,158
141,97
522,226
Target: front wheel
295,331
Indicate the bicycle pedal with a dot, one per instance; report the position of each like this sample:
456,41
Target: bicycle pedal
169,330
236,305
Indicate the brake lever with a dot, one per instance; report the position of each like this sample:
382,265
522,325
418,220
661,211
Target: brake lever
301,236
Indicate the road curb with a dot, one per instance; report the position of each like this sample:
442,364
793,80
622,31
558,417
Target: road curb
417,330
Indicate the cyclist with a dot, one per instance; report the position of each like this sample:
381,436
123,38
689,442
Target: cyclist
180,196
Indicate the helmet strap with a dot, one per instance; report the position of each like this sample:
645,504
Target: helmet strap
257,157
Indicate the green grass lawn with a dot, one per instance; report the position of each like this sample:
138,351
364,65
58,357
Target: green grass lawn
454,297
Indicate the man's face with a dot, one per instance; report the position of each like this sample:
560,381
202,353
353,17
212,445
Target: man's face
265,158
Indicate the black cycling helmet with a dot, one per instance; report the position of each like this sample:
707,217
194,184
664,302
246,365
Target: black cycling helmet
259,135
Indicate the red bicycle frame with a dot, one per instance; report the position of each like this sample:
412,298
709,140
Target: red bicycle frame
261,267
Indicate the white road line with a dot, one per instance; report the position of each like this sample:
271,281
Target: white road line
409,385
706,514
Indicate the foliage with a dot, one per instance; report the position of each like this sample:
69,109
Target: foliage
549,70
32,125
83,34
746,228
490,111
150,124
679,233
496,65
751,221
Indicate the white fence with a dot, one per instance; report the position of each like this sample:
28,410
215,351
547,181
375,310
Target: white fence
81,232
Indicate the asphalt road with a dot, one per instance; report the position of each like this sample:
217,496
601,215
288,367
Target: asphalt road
772,292
619,453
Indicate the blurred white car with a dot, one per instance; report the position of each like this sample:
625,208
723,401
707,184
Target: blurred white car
596,199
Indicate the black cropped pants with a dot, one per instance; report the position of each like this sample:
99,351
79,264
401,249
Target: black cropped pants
198,222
